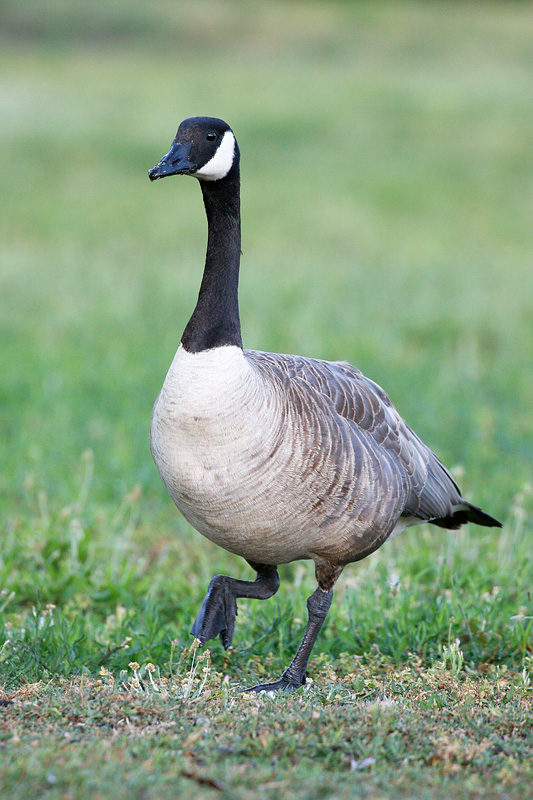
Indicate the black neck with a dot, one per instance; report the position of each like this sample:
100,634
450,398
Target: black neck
215,320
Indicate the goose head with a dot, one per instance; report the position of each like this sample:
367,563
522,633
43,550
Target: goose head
204,147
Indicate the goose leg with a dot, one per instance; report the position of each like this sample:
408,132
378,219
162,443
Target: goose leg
219,609
294,676
317,608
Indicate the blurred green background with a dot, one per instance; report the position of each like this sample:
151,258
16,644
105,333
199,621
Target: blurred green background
387,220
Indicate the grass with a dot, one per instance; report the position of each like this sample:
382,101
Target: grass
387,732
387,220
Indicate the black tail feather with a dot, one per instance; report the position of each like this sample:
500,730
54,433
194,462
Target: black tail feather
469,514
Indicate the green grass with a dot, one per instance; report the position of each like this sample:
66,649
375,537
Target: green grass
386,220
376,731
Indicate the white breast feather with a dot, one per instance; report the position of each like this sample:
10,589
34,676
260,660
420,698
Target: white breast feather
209,436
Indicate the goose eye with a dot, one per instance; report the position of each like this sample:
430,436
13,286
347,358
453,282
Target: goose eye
211,136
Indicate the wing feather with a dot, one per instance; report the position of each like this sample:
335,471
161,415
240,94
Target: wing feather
366,425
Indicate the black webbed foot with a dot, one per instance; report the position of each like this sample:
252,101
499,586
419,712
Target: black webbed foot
218,613
284,684
219,609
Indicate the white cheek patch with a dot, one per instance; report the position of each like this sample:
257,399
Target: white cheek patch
219,166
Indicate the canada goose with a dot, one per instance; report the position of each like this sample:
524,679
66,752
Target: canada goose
278,457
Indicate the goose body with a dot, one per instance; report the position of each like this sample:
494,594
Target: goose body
278,457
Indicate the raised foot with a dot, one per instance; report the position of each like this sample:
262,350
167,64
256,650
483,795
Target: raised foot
217,614
284,684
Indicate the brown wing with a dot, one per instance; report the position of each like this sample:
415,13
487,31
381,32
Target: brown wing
429,491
